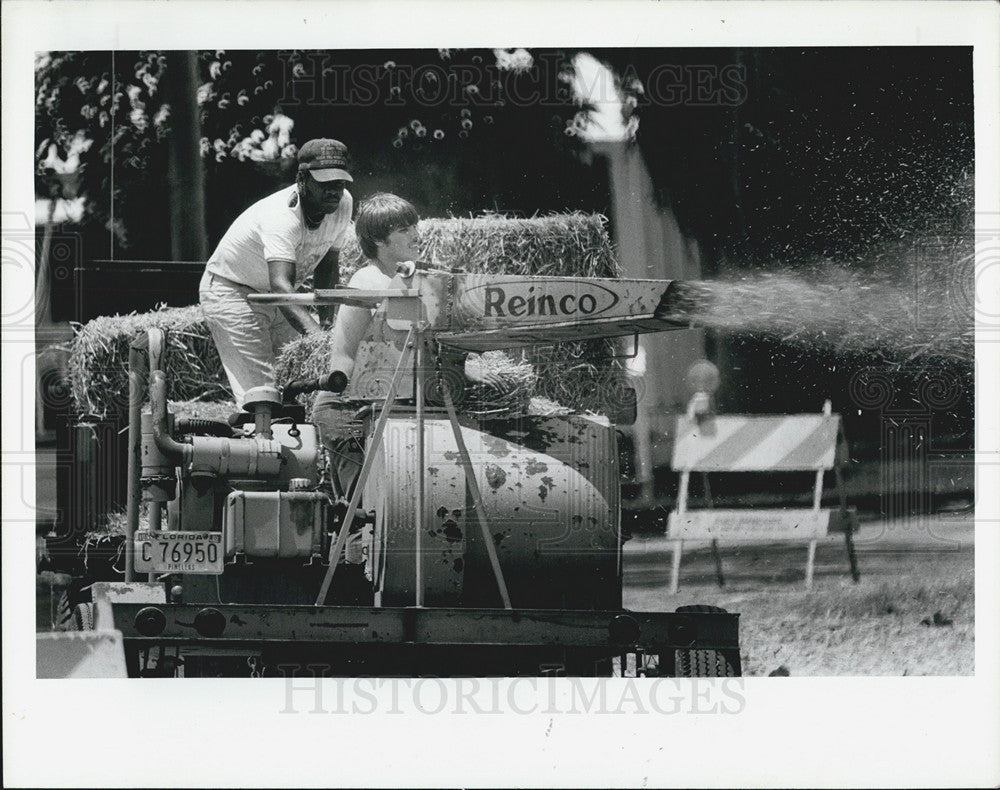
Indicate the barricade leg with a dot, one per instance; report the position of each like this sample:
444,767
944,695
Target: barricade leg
676,569
718,563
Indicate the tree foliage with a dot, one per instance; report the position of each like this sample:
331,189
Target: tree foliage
455,130
762,154
112,99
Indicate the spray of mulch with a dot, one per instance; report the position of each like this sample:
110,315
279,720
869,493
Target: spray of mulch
900,313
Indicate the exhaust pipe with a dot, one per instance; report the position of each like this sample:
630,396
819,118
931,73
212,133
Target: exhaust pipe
149,345
135,382
176,452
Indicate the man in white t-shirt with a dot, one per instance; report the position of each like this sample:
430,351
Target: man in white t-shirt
272,247
386,227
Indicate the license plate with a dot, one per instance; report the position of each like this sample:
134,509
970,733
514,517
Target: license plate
178,552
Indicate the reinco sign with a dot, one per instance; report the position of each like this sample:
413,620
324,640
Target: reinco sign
494,302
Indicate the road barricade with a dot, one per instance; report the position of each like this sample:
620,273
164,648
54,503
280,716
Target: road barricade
708,443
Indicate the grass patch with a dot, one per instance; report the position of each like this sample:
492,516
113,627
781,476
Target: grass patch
910,614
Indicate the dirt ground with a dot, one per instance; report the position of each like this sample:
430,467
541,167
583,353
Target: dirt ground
911,613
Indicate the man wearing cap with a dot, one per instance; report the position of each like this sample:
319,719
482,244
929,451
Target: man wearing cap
272,247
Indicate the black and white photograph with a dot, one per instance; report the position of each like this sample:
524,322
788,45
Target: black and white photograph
543,396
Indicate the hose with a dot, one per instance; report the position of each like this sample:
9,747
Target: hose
204,427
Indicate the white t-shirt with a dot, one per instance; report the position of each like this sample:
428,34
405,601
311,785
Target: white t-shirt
352,323
275,229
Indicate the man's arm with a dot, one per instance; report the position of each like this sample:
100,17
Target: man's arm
348,331
327,275
352,323
281,275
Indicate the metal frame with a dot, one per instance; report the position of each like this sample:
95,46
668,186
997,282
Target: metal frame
416,343
676,638
387,632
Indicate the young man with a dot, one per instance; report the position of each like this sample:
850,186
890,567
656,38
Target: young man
386,227
273,247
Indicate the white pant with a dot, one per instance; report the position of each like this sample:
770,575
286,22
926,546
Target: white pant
248,336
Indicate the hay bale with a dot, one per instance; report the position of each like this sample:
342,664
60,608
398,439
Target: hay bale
98,362
514,380
559,245
202,410
306,357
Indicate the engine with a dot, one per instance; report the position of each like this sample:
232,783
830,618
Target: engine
251,516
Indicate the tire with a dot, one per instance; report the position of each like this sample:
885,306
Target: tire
83,617
702,663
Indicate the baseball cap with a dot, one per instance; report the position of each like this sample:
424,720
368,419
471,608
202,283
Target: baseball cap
325,159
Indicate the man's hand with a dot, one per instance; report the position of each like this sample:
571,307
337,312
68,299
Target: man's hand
477,371
327,275
281,276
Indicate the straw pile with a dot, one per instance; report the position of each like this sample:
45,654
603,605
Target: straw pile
98,362
578,375
511,385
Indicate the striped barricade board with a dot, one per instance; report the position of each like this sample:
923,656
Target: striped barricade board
754,443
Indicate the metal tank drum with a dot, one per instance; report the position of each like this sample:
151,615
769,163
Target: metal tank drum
551,493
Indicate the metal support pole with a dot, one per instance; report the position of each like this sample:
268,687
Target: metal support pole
817,501
152,342
136,379
477,499
157,344
852,557
675,569
155,525
370,452
678,546
810,563
682,494
419,377
715,541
